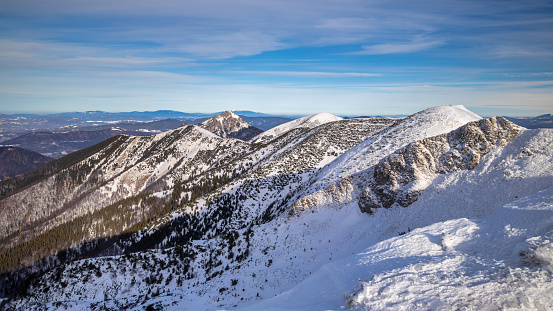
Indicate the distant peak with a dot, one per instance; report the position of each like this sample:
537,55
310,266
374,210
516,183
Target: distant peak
228,113
305,122
225,124
325,115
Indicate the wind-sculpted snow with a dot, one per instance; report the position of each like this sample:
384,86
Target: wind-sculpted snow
503,260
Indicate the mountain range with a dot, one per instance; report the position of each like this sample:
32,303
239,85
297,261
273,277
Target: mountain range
441,209
12,126
542,121
72,137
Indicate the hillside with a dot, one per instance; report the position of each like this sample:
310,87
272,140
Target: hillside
107,174
16,161
441,209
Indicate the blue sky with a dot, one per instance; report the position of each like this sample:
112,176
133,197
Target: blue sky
345,57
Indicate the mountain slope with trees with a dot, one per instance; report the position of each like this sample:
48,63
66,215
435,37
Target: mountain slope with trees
16,161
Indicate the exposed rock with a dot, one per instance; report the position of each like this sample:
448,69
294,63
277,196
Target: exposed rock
335,194
401,177
230,125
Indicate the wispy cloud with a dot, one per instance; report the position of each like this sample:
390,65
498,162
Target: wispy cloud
521,52
230,45
312,74
528,74
394,48
71,56
165,49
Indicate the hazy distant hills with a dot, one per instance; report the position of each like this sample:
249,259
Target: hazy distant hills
18,124
152,127
12,126
15,161
60,134
543,121
56,145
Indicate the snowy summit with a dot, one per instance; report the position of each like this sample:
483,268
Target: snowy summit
305,122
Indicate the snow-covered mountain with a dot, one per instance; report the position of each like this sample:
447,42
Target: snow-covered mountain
439,210
305,122
230,125
89,181
427,123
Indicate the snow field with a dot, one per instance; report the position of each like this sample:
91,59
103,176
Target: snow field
502,261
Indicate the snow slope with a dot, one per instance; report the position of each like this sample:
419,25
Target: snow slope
305,122
124,168
427,123
502,261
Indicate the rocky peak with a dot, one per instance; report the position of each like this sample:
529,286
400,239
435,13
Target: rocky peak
229,125
229,114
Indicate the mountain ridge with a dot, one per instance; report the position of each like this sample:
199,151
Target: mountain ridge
305,122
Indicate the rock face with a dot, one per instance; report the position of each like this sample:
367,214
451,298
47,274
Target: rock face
402,176
230,125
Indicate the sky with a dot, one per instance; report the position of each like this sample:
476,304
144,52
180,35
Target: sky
345,57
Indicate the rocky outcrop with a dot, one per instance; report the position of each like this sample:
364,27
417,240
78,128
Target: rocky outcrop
336,194
230,125
401,177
